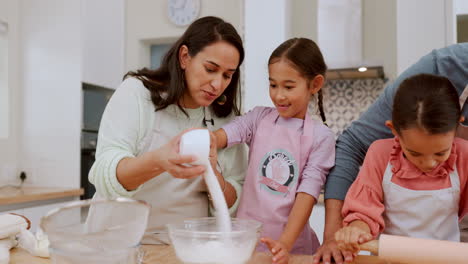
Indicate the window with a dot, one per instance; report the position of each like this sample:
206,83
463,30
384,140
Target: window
4,94
157,53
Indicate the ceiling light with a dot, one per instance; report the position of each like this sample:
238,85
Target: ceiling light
356,73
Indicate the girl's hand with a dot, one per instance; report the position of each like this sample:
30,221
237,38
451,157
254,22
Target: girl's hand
169,159
349,238
278,249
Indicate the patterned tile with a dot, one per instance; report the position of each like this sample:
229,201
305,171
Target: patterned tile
345,100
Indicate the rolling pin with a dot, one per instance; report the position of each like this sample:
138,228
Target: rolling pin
415,250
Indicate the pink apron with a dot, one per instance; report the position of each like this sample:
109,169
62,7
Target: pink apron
277,158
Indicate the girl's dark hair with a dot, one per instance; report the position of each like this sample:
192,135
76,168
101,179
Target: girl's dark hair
426,101
306,57
167,83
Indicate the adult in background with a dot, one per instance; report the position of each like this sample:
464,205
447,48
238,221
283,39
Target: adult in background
352,145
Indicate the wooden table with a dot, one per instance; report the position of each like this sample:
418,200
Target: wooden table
166,255
28,194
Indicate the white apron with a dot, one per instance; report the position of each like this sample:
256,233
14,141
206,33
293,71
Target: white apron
191,199
174,199
430,214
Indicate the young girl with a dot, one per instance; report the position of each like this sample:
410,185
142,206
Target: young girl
414,184
290,153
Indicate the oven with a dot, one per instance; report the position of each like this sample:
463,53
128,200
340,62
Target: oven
95,99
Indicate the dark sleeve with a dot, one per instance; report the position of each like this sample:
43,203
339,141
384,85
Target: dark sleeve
352,145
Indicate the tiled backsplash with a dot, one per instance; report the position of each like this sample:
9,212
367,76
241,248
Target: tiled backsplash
345,100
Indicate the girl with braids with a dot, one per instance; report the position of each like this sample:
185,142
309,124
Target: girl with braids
414,184
290,153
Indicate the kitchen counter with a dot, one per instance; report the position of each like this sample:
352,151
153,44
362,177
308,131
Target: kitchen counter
13,198
165,254
11,195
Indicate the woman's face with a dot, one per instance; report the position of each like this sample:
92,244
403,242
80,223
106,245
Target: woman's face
426,151
208,73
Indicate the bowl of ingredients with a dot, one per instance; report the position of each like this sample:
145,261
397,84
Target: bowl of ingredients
200,241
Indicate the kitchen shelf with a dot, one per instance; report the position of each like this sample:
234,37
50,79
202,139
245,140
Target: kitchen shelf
25,194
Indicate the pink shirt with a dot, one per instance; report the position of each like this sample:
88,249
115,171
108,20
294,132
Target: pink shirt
364,200
320,161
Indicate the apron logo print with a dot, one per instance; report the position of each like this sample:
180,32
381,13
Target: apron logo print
278,171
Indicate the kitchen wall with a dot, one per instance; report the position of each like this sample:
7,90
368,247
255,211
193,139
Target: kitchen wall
44,78
147,23
340,32
103,42
261,37
380,35
345,100
4,92
413,24
9,150
460,6
395,31
303,22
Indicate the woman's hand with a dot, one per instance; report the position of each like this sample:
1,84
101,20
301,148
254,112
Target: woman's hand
169,159
278,249
350,237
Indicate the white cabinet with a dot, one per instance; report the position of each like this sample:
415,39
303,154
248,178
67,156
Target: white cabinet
103,42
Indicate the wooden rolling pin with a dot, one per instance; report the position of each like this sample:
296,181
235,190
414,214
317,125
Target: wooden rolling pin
415,250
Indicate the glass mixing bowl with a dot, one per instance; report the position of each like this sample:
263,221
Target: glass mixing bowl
96,231
197,241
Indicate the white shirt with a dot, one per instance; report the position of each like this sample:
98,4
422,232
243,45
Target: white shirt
127,127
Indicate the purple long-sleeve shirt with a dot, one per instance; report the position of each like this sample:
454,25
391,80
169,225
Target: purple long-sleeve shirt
322,158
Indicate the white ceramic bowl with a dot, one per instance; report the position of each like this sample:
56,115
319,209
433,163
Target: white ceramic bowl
197,241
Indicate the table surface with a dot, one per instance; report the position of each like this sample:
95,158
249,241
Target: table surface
12,195
165,254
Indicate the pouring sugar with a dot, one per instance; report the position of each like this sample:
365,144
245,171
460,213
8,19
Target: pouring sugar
198,241
212,240
214,252
197,142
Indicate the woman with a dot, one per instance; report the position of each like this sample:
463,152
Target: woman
137,153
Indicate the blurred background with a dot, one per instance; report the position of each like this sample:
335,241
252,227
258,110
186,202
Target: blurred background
60,61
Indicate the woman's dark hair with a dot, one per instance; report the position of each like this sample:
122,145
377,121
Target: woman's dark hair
167,83
306,57
426,101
